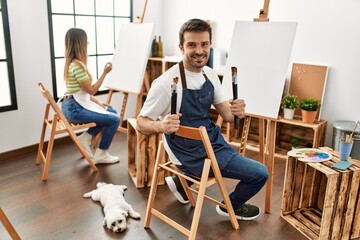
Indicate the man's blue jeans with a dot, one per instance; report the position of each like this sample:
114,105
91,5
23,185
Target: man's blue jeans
108,123
252,175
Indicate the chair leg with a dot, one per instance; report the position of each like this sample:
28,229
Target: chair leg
153,188
225,196
96,140
41,144
188,193
49,150
200,199
42,135
9,228
82,150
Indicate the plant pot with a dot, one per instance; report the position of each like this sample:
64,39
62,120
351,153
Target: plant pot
308,116
289,113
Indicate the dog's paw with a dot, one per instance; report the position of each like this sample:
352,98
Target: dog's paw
87,195
134,214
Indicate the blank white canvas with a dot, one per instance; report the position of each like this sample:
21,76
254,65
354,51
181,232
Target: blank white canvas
261,52
130,57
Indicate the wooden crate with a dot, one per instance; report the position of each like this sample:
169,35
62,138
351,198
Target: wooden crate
141,156
321,202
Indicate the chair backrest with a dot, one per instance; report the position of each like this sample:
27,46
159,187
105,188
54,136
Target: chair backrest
197,134
51,102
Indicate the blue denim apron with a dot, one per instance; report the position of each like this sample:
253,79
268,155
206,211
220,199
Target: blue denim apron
195,110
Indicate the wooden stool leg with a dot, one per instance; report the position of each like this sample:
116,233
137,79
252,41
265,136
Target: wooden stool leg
11,230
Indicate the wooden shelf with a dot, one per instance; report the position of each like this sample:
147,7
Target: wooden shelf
310,135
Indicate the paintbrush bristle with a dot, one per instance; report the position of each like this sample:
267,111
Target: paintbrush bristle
234,69
350,139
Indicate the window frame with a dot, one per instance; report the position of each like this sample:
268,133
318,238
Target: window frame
95,72
9,60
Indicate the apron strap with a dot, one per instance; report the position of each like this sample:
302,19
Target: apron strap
182,75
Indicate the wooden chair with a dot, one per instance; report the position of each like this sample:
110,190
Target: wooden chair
7,224
202,184
57,124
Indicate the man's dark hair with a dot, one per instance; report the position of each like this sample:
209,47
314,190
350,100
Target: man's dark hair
194,25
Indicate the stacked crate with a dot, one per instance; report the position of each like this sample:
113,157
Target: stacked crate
320,201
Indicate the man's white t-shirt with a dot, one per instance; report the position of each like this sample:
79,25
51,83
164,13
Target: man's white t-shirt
158,100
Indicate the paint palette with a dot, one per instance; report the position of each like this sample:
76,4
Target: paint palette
310,154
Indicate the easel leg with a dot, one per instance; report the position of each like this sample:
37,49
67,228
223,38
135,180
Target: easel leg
270,145
262,140
122,113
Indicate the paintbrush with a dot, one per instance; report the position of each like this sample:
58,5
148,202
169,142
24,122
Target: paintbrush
173,99
235,91
349,138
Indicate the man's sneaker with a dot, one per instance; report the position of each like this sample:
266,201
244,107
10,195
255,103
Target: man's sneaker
246,212
176,188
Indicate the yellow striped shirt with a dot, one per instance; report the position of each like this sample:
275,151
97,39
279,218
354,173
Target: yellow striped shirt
76,75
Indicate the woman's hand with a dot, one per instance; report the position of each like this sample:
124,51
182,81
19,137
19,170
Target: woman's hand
108,67
102,104
97,101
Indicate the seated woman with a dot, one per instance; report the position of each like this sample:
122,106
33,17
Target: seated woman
79,105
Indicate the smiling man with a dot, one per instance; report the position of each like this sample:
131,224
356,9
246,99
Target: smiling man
198,88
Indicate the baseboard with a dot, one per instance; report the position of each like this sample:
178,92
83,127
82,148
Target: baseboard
29,149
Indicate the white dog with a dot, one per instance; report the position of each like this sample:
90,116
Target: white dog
116,209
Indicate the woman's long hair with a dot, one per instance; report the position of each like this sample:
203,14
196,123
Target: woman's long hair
75,49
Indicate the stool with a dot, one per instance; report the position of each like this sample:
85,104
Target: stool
322,202
141,156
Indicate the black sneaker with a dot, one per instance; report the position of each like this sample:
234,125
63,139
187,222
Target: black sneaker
246,212
176,188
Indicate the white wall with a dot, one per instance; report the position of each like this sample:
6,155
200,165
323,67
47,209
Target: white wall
31,57
328,34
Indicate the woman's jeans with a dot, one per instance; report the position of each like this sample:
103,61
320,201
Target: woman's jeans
108,123
252,175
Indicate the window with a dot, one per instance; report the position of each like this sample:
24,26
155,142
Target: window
101,19
7,81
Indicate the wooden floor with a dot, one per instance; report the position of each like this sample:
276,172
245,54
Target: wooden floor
56,209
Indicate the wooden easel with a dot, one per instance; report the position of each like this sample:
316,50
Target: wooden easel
264,12
267,132
145,85
267,141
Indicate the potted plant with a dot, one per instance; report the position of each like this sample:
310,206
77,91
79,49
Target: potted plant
309,108
289,103
295,142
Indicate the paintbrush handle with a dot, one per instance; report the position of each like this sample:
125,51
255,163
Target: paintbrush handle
173,108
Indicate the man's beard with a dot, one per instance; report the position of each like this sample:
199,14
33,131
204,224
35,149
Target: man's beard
192,60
